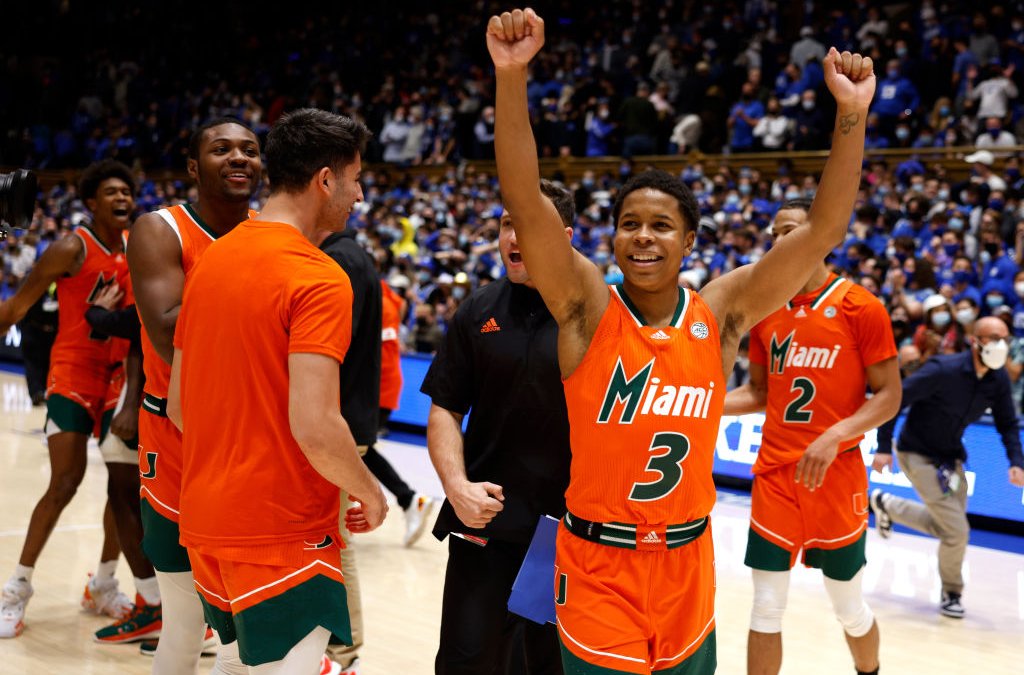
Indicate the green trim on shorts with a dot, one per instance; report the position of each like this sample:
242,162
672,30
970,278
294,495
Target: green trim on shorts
160,541
704,661
267,631
574,665
220,621
765,555
841,564
68,415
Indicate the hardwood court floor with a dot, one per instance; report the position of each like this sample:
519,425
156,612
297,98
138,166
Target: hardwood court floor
402,587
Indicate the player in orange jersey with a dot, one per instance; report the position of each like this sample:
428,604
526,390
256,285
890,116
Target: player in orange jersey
259,507
644,366
84,383
224,161
811,362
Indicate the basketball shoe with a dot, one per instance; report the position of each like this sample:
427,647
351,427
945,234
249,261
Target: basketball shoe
13,601
104,597
144,621
416,518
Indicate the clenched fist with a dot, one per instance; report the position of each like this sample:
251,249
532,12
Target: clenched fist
514,37
850,78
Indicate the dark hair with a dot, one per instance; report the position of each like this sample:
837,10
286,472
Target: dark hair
100,171
662,181
307,140
799,204
197,136
562,199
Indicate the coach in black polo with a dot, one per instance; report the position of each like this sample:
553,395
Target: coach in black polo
499,361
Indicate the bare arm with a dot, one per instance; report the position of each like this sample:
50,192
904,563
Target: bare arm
154,260
174,391
566,280
323,435
884,380
125,424
745,296
751,397
62,257
475,504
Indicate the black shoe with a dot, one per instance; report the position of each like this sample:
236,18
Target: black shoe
883,523
950,606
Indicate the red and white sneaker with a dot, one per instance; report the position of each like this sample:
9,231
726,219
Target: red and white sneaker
13,601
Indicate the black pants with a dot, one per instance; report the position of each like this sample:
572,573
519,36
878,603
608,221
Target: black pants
478,634
36,342
383,471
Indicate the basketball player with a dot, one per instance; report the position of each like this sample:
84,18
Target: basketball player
265,322
84,384
810,364
224,161
644,366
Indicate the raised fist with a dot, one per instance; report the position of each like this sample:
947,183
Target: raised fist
514,37
850,78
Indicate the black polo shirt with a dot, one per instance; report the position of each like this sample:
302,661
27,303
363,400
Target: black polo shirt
499,363
360,372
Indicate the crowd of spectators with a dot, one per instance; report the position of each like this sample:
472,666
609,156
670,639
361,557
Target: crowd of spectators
628,78
619,78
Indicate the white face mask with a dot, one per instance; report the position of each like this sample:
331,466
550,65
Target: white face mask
940,319
994,354
965,316
1019,288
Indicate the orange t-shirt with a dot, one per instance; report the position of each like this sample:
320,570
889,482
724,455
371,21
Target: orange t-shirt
815,351
390,352
195,236
259,293
76,345
644,408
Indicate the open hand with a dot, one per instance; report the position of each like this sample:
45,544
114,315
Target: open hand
850,78
514,37
108,297
810,470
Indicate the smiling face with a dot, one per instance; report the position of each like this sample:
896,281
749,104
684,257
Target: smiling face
228,166
651,239
113,204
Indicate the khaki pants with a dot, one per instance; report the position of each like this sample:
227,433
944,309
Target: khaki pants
345,654
941,515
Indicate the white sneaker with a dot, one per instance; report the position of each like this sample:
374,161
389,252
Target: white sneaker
104,597
12,607
416,517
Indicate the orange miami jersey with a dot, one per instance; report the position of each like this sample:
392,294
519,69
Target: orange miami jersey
815,351
159,439
644,408
390,352
82,360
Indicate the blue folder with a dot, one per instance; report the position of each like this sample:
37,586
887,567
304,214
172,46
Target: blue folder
533,593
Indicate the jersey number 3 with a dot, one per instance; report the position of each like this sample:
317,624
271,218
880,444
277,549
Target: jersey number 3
668,464
795,411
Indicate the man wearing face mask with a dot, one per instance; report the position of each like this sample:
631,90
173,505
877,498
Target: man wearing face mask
945,395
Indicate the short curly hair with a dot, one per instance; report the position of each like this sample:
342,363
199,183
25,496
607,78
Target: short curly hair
662,181
97,172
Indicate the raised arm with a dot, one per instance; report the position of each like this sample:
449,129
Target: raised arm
154,260
62,257
745,296
565,279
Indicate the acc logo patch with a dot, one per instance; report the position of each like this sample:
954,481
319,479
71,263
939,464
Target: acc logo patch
699,330
830,312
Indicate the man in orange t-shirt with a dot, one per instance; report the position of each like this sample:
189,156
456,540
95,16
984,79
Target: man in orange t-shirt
811,362
265,321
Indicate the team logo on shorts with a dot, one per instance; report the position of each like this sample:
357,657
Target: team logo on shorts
830,312
315,546
699,330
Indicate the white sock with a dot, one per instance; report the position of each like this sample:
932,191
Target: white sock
23,573
149,589
105,570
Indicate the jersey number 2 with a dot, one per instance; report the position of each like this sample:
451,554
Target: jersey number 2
668,464
795,411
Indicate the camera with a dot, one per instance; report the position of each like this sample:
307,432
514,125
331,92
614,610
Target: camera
17,199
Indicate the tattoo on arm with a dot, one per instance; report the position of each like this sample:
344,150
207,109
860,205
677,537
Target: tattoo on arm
848,122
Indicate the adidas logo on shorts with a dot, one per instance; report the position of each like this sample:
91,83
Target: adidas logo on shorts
651,538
